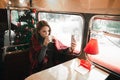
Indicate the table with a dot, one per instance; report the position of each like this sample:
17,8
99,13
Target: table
67,71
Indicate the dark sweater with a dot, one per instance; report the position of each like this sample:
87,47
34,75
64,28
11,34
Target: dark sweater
42,57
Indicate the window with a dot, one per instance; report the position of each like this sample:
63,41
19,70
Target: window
18,34
106,29
64,26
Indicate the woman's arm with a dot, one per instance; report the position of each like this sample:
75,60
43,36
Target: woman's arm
42,54
43,50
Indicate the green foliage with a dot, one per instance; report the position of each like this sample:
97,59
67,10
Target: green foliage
24,32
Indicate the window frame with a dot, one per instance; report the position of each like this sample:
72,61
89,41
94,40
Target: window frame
69,13
104,17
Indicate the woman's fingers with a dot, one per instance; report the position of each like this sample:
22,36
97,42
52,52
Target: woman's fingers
73,45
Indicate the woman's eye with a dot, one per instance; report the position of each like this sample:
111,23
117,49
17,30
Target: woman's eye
44,31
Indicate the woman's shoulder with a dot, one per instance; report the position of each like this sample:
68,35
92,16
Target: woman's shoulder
33,37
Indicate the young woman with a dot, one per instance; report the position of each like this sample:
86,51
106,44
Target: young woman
43,52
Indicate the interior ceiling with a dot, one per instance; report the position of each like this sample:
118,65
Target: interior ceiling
85,6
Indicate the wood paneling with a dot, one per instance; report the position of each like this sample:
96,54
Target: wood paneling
3,3
84,6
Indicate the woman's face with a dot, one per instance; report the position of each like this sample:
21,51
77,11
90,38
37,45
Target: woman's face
44,31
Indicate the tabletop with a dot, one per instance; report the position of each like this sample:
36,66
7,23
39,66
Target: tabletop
70,70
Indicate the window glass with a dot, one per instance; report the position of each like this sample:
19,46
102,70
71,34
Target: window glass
106,29
14,17
108,25
64,26
19,32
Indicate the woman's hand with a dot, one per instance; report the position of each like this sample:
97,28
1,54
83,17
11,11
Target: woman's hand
73,46
46,41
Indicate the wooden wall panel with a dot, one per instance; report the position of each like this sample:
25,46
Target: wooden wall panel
84,6
3,3
115,5
99,4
